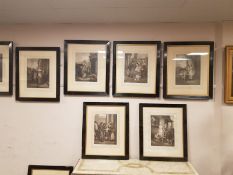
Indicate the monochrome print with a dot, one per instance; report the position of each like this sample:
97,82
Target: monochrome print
188,69
38,73
86,67
162,130
1,67
105,127
136,68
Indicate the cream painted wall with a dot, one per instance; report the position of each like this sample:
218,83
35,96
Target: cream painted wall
50,133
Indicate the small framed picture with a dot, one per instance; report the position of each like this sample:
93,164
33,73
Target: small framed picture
87,65
229,75
188,70
6,67
105,130
163,132
136,68
49,170
38,73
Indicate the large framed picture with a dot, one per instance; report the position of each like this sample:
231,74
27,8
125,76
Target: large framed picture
136,68
188,70
229,75
87,64
49,170
6,67
163,132
105,130
38,73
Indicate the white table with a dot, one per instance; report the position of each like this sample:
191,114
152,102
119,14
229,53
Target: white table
132,167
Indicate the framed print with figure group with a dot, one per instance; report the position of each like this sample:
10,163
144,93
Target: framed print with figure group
38,73
86,67
6,67
229,75
136,68
163,132
105,130
49,170
188,70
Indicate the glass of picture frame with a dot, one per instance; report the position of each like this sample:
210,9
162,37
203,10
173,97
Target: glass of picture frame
38,74
229,75
6,68
105,132
136,68
49,170
163,132
188,70
87,65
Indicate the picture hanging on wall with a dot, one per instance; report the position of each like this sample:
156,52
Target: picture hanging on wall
229,75
6,67
136,68
163,132
38,73
105,130
49,170
86,67
188,70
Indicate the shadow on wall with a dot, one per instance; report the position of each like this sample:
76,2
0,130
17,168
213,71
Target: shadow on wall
227,168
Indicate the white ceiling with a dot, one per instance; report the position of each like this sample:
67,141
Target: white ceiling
114,11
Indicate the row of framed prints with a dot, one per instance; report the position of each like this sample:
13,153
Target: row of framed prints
187,69
162,131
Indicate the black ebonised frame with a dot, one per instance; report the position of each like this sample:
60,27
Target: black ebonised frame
157,81
211,65
46,167
39,49
87,42
185,140
126,156
10,45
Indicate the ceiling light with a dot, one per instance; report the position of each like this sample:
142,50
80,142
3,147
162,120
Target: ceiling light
180,59
101,51
120,52
198,53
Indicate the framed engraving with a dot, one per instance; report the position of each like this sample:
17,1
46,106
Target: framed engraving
188,70
229,75
86,67
49,170
38,73
136,68
163,132
105,130
6,67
